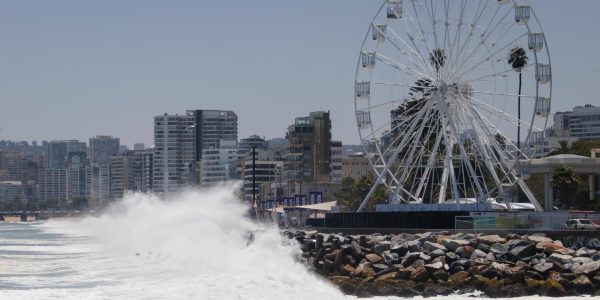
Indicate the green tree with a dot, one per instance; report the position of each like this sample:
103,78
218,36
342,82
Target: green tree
353,192
517,58
584,147
345,194
565,184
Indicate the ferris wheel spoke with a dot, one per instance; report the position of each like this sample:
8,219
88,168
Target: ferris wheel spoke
504,94
483,144
458,31
422,32
486,55
399,66
431,15
479,62
486,33
467,41
430,163
403,85
422,67
415,51
419,133
464,59
528,67
499,113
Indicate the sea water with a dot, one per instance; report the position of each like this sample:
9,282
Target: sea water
193,246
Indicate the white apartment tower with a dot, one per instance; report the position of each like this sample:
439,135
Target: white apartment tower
174,150
211,127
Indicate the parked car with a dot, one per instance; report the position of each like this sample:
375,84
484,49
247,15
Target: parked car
581,224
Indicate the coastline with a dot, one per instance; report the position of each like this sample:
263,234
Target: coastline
443,263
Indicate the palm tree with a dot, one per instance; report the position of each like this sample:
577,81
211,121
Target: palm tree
517,58
437,58
565,184
563,148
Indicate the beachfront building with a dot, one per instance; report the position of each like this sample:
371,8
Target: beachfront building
356,166
210,127
583,122
103,148
174,149
336,161
266,175
98,184
51,186
220,164
307,157
11,191
57,152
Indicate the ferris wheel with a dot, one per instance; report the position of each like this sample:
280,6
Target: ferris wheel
452,99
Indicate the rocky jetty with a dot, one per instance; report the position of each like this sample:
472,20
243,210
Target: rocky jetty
441,263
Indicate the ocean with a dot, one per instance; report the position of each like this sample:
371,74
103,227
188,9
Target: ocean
194,246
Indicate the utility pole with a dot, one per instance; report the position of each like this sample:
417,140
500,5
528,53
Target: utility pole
254,181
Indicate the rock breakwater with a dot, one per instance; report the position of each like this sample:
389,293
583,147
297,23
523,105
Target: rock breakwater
442,263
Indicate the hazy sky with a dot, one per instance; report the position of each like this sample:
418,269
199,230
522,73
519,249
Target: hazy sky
75,69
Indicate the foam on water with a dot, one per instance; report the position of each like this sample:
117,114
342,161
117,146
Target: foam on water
193,246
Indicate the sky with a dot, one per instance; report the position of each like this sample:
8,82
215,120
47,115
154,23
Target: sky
76,69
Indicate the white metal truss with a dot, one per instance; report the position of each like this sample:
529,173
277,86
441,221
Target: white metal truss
438,103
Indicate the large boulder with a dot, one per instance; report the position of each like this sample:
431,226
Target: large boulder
391,258
346,270
515,274
433,267
450,257
538,238
583,284
478,254
381,247
585,252
499,249
491,239
345,283
459,277
400,248
430,246
419,274
356,248
373,258
521,252
593,243
414,246
494,270
424,257
404,274
588,268
381,268
452,245
581,260
437,253
560,258
517,242
464,251
440,275
410,258
543,267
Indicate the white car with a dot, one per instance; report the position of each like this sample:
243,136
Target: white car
581,224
